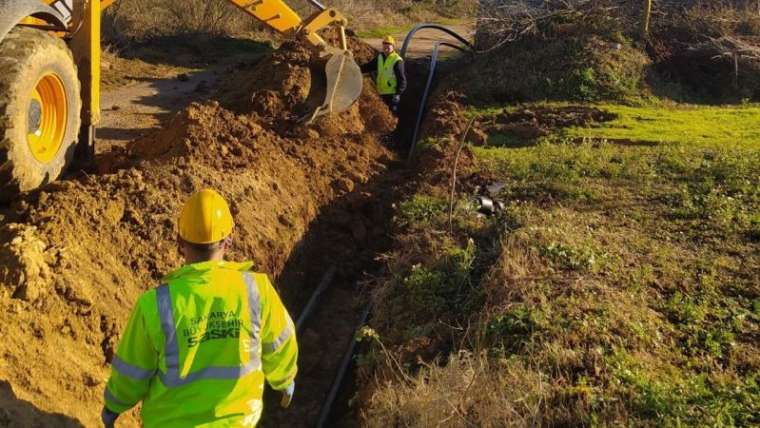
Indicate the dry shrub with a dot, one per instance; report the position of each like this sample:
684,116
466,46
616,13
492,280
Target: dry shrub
559,50
547,41
698,74
503,21
145,19
471,390
369,14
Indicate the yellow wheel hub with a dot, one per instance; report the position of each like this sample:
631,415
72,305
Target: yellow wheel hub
47,118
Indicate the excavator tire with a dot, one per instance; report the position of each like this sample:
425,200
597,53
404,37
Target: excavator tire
40,109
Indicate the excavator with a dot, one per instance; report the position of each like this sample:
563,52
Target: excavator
50,79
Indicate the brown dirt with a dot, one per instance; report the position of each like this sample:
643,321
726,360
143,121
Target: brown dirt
531,123
76,254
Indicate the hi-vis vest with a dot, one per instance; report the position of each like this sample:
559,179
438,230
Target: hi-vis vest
197,349
386,77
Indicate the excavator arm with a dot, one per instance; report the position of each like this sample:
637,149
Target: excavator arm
344,78
274,13
280,17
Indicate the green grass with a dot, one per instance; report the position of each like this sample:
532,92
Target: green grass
625,283
694,125
654,122
672,226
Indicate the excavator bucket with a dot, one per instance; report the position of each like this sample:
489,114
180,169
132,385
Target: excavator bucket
344,84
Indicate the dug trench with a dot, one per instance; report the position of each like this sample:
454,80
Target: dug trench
76,254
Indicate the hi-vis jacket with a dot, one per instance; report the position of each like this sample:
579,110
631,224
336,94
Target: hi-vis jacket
386,81
390,76
197,349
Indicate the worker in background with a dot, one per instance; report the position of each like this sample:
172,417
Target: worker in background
390,77
197,349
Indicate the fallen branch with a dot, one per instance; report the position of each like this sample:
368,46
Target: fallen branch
731,48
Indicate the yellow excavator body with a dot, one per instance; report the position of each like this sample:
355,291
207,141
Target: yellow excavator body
55,114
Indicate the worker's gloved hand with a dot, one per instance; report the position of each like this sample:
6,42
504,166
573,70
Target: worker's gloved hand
395,102
109,418
287,395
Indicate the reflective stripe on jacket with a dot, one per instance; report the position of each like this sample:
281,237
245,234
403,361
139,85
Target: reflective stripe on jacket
386,81
197,349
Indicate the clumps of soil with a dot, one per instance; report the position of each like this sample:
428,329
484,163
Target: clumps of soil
535,122
447,125
288,84
23,270
447,120
76,254
445,116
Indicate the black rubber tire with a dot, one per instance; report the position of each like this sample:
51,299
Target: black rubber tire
27,54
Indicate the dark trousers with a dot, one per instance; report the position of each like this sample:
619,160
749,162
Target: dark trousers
388,99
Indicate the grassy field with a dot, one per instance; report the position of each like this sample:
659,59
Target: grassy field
619,286
693,125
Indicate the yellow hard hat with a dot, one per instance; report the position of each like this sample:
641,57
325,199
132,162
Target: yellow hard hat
389,40
205,218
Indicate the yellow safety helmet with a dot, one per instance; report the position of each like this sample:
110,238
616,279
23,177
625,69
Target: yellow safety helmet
205,218
389,40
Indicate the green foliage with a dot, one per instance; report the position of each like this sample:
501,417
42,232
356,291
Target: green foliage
444,287
679,188
626,283
511,329
571,258
698,399
754,228
684,310
420,210
585,85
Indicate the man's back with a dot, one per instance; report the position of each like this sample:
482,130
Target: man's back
197,348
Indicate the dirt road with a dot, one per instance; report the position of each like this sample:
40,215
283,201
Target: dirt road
424,40
135,110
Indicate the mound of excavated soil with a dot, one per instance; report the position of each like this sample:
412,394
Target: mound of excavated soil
288,84
77,254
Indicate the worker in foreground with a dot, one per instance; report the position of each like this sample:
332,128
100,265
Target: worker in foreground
390,76
197,349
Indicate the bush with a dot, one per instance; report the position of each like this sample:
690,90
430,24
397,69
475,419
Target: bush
554,53
682,52
145,19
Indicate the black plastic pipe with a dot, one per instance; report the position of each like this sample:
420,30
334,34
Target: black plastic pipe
431,72
324,414
423,100
309,308
438,27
